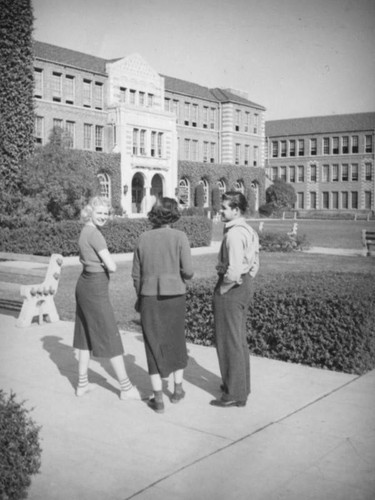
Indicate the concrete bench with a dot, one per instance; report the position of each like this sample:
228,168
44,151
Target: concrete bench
368,240
37,300
293,230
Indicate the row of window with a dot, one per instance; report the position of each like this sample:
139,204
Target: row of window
93,135
63,88
184,193
242,155
148,143
333,200
325,173
136,97
329,145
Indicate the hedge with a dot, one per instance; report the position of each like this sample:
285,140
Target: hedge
121,235
325,321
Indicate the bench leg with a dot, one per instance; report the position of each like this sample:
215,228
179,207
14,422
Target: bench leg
39,307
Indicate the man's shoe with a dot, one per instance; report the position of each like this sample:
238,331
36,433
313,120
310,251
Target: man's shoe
177,396
227,404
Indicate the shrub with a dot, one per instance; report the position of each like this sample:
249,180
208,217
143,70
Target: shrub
216,199
266,210
325,321
199,196
282,242
19,448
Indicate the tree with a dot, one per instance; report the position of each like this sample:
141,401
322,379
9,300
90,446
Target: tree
16,98
216,199
199,196
281,195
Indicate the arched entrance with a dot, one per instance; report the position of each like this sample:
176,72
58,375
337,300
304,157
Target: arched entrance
157,186
138,193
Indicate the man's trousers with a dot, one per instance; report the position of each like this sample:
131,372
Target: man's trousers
230,312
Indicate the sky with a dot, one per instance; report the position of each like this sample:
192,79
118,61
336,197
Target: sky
294,57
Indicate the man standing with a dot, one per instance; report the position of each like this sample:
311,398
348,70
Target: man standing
238,263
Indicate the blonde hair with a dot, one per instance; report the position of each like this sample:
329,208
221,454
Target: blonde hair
96,201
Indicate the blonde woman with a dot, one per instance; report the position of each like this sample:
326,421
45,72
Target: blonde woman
96,330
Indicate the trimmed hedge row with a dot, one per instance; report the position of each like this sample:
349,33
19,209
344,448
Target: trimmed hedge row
324,321
121,235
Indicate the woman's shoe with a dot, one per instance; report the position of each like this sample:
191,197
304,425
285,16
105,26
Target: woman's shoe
81,391
177,396
157,406
132,393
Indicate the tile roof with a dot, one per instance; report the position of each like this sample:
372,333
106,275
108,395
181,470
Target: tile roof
321,124
69,57
224,95
187,88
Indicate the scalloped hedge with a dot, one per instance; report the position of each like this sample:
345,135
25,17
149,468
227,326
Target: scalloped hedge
321,320
121,235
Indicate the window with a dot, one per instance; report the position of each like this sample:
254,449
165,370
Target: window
150,100
237,123
283,173
292,147
205,152
256,123
194,150
354,143
184,192
255,155
344,199
274,173
237,154
222,187
292,174
300,200
213,152
70,132
212,118
86,93
354,197
355,172
345,144
325,199
368,172
247,121
135,141
176,108
56,86
153,143
345,172
38,130
325,173
312,199
98,95
313,173
99,132
205,189
368,144
142,147
167,104
335,173
283,148
239,186
335,200
187,113
301,173
160,144
194,115
187,149
132,96
205,116
87,136
105,185
326,148
275,149
57,123
313,147
142,99
122,94
38,83
335,145
69,89
301,147
368,199
247,154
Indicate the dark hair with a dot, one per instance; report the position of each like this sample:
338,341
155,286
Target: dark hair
164,211
236,200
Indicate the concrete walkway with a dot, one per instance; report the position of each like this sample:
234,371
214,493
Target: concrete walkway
305,434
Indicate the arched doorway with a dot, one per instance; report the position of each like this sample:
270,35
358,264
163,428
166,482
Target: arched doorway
138,193
157,186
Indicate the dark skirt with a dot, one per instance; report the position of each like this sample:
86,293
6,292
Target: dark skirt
163,326
95,326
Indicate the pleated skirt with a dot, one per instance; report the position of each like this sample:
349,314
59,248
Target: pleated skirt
163,326
95,326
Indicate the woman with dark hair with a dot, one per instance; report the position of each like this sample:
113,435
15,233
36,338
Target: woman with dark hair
161,264
95,329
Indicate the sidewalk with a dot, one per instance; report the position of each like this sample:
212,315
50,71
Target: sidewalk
306,434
